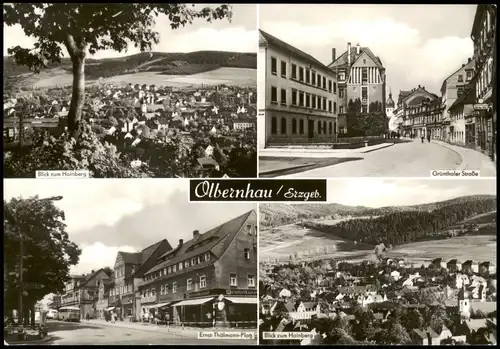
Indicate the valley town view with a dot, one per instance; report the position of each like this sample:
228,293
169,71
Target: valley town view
421,274
150,114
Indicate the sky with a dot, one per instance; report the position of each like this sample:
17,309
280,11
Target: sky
403,192
221,35
418,44
104,216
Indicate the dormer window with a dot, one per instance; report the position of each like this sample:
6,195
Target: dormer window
247,253
186,264
169,270
164,271
207,256
198,259
181,266
193,261
174,268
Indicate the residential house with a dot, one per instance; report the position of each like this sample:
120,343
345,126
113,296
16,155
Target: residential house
210,278
102,303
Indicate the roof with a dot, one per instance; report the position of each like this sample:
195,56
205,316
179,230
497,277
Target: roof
280,44
424,333
476,324
139,258
212,243
469,95
342,61
208,161
390,102
417,100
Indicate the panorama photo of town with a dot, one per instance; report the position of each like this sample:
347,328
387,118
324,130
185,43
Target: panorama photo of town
376,90
170,91
103,281
389,262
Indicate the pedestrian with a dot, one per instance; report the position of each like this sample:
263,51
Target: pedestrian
429,137
87,317
422,137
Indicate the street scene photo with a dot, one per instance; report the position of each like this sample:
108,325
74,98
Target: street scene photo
384,262
131,262
376,90
167,91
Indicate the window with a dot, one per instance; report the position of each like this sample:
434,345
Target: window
294,71
207,256
198,259
364,75
294,97
301,126
181,266
469,75
164,271
330,106
313,78
174,268
283,69
203,281
460,91
233,281
274,66
341,76
274,126
308,76
301,99
324,126
334,87
301,74
169,269
166,289
330,127
313,101
330,86
174,287
294,131
274,94
153,292
324,83
246,252
189,284
319,127
460,78
186,264
335,107
319,80
324,103
364,94
308,100
283,96
341,92
162,290
251,280
283,126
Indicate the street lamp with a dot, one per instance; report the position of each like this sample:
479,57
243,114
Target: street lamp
21,252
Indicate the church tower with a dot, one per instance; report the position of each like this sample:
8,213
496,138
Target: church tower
464,306
389,106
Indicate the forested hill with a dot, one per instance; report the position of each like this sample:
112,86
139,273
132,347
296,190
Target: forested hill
281,214
167,63
416,223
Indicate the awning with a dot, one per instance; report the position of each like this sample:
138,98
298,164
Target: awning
194,301
242,300
161,305
110,308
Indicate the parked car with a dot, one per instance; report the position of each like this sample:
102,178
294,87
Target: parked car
51,314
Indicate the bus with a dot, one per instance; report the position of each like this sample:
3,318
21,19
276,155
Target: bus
69,314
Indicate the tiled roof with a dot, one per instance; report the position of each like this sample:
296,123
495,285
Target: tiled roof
216,240
417,100
342,61
274,41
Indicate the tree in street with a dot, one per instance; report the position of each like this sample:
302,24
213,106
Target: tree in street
83,28
47,254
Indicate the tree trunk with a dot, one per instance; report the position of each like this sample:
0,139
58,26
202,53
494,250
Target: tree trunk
77,97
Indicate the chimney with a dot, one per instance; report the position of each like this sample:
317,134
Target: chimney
92,271
418,86
334,54
349,54
469,60
463,65
181,242
357,48
196,234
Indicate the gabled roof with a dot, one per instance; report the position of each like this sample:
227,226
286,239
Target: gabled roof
280,44
468,97
342,60
215,241
423,333
140,258
88,277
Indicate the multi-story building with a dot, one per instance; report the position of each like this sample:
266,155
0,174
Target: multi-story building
463,119
452,89
297,95
484,38
81,291
419,107
209,279
128,272
362,90
102,302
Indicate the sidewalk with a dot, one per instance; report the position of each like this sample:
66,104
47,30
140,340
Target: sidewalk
472,159
174,330
319,153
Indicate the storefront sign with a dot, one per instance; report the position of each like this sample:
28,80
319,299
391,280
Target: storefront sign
219,291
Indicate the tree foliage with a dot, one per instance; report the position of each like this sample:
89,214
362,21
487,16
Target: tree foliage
48,251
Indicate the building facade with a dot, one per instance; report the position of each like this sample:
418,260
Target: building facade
298,100
361,85
420,110
209,280
452,89
102,302
128,270
464,120
484,38
82,291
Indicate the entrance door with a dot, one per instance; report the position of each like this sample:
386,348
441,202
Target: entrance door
310,128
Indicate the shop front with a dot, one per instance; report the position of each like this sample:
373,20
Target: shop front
219,308
127,307
470,132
